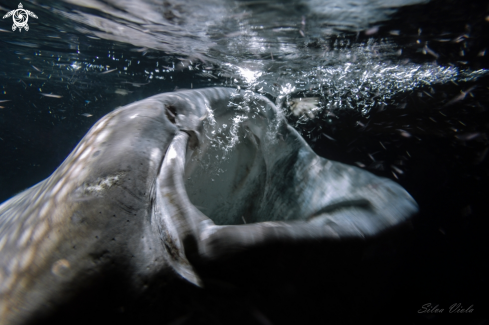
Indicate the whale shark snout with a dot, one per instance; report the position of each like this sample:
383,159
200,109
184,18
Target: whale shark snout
201,172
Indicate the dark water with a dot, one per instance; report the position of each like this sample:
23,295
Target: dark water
403,92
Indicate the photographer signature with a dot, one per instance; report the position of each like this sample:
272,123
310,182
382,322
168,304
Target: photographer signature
455,308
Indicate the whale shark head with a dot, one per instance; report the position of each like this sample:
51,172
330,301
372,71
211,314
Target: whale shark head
201,172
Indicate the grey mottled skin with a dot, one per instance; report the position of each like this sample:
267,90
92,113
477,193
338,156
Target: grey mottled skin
123,197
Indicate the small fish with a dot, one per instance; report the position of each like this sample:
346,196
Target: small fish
36,68
135,84
2,107
327,136
397,169
468,136
430,52
461,38
51,95
142,49
4,100
372,30
404,133
86,114
460,97
122,92
109,71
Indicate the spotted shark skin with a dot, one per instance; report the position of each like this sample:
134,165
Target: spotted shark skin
127,196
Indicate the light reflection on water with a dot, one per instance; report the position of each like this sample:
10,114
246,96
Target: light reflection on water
317,48
316,59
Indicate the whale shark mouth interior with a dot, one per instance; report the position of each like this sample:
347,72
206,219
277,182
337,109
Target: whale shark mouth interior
237,173
214,188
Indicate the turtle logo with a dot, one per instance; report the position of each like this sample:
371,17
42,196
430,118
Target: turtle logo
20,17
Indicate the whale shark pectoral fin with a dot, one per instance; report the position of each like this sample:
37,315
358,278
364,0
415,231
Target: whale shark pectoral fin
175,219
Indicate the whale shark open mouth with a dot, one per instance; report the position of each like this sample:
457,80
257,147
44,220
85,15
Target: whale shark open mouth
202,172
253,180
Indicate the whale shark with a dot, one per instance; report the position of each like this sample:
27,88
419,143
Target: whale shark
201,173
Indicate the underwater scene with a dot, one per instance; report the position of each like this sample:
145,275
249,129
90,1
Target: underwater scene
244,162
